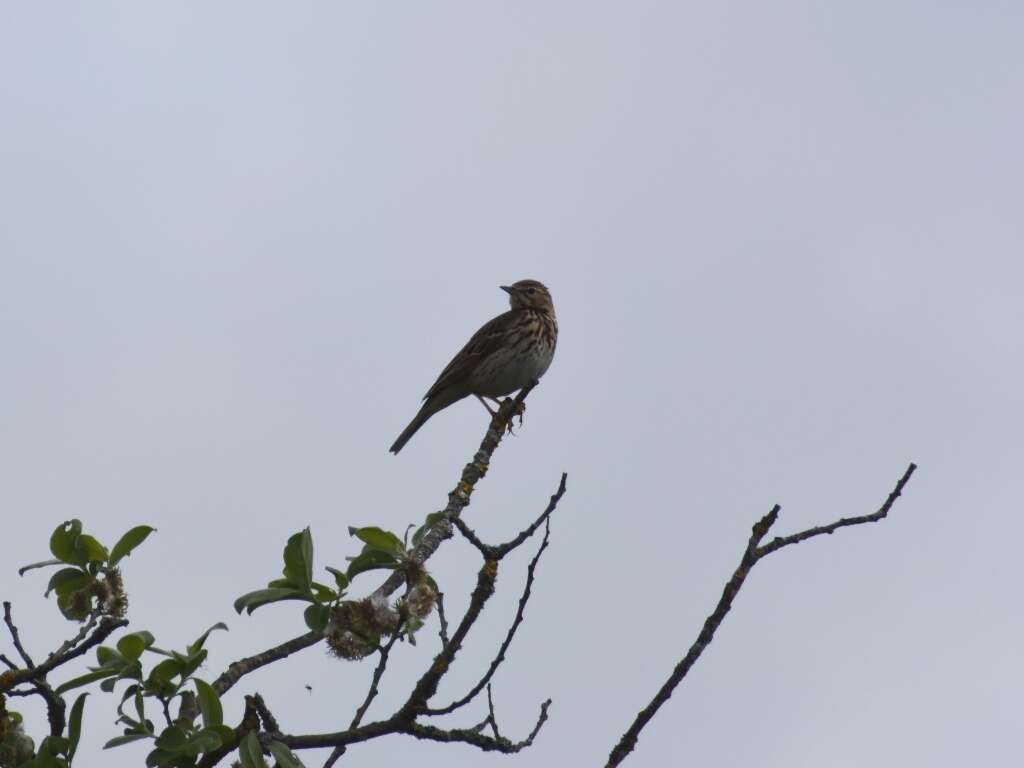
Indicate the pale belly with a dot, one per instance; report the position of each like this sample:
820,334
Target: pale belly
498,378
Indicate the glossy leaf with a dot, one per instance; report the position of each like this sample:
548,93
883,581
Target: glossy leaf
42,564
128,738
173,738
201,640
62,541
89,550
89,677
131,646
209,704
128,542
206,740
379,539
284,756
323,594
370,560
339,578
298,559
316,617
68,580
75,725
250,752
110,658
251,601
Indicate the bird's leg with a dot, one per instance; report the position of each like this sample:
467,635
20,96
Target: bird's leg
494,413
517,410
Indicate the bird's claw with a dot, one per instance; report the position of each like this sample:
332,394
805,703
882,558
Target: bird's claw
518,409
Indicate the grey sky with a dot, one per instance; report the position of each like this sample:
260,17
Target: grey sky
784,241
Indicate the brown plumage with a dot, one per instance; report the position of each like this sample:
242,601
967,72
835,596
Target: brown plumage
505,355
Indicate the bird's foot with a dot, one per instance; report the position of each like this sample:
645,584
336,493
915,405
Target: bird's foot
515,409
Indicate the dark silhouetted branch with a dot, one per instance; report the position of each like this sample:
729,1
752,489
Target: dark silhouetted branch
478,739
500,657
458,500
751,555
238,669
106,626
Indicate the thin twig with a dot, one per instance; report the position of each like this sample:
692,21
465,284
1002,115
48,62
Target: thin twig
458,499
15,637
443,631
371,694
105,628
236,670
751,555
784,541
477,739
500,657
86,628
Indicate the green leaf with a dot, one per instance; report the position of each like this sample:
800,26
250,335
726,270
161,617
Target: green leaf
209,704
131,646
128,542
53,746
128,738
192,662
202,638
369,560
284,756
323,594
89,550
75,725
62,541
283,584
89,677
67,581
172,739
108,658
251,601
161,675
379,539
41,564
161,757
316,617
339,578
250,752
206,740
298,559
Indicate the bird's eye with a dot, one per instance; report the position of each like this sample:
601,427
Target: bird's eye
532,291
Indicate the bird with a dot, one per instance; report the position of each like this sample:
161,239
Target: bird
507,353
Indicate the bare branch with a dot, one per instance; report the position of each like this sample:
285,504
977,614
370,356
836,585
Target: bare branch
477,739
236,670
85,629
458,499
14,636
751,555
784,541
508,546
443,630
500,657
106,626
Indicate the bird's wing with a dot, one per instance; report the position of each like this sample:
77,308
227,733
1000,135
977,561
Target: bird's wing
485,341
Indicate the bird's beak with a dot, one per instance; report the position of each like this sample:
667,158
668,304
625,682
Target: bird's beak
506,288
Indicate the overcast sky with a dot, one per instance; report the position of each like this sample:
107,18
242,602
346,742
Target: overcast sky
238,241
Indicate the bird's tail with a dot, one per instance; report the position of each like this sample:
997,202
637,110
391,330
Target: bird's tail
428,410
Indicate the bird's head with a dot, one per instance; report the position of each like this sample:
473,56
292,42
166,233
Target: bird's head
529,294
